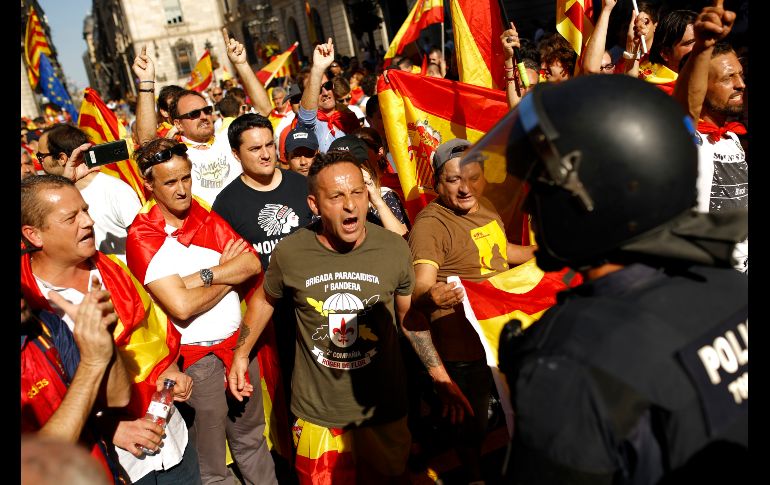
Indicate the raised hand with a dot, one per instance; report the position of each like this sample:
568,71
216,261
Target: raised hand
143,66
510,39
713,24
75,168
235,50
323,54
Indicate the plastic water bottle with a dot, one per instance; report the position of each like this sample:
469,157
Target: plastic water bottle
160,405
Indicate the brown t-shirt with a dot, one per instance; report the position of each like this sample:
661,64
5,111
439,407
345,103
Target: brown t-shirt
471,246
347,368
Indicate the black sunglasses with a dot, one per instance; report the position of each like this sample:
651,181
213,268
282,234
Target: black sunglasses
327,85
41,156
196,113
165,155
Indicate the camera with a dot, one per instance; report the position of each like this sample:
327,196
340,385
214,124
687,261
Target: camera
104,153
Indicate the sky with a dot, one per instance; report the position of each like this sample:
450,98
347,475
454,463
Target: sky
65,18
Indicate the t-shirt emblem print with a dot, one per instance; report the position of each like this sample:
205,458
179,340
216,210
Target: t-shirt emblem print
277,219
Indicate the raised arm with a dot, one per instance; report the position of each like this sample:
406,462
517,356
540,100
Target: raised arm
146,122
712,25
638,28
323,56
597,43
514,88
415,326
256,91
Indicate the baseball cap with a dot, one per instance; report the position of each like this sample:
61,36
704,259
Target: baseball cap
294,95
301,136
447,151
352,144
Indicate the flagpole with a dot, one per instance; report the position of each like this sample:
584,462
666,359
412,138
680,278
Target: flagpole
519,63
442,43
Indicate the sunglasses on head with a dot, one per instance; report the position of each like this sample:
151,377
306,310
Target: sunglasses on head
196,113
327,85
346,99
165,155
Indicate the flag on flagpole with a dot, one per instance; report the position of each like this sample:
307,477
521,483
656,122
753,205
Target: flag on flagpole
53,89
201,76
424,13
280,65
523,293
420,113
574,21
101,125
35,44
477,27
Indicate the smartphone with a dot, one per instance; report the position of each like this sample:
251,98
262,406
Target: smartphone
113,151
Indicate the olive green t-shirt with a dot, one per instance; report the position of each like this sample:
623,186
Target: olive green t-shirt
471,246
347,368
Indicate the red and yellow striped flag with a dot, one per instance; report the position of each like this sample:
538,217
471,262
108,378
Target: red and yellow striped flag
201,76
477,29
424,13
574,21
420,113
281,65
101,125
35,43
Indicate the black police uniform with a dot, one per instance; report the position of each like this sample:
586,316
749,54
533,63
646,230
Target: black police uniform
640,376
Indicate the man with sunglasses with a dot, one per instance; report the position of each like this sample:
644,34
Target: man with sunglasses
318,108
213,163
197,268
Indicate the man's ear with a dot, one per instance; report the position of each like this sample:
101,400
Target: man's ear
312,203
61,159
235,154
32,234
148,186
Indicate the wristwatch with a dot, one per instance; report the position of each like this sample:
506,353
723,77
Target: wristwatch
207,276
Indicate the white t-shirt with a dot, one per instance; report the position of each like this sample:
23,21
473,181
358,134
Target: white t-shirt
112,204
175,441
172,258
282,125
213,167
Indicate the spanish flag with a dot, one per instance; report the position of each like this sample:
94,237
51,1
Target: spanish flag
424,13
573,21
144,336
477,29
523,292
201,76
101,125
420,113
35,43
281,65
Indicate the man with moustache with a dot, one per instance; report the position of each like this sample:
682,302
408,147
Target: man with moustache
213,163
711,88
348,384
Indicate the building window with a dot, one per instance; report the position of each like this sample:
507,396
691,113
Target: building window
183,55
319,29
173,12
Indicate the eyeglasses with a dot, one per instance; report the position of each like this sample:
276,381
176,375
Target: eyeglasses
165,155
196,113
41,156
345,100
327,85
608,67
216,94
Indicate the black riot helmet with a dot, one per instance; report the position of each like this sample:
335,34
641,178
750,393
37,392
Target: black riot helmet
605,160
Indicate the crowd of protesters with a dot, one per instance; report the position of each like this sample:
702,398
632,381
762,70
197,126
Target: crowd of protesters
275,221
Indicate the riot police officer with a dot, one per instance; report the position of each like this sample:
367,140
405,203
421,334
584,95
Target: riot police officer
640,375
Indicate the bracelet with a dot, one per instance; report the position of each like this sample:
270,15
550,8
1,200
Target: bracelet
509,79
509,69
140,82
146,90
630,55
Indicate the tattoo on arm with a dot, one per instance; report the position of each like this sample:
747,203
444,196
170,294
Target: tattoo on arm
423,345
245,331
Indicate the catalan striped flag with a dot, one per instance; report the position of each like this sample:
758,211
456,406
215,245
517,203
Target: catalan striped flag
101,125
420,113
423,14
477,27
35,44
574,21
523,292
201,76
281,65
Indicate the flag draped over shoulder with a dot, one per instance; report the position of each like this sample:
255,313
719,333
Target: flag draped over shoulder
143,335
35,44
280,65
101,125
201,76
424,13
53,89
420,113
524,293
207,229
477,27
574,21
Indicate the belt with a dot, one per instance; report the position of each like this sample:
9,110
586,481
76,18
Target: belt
210,343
